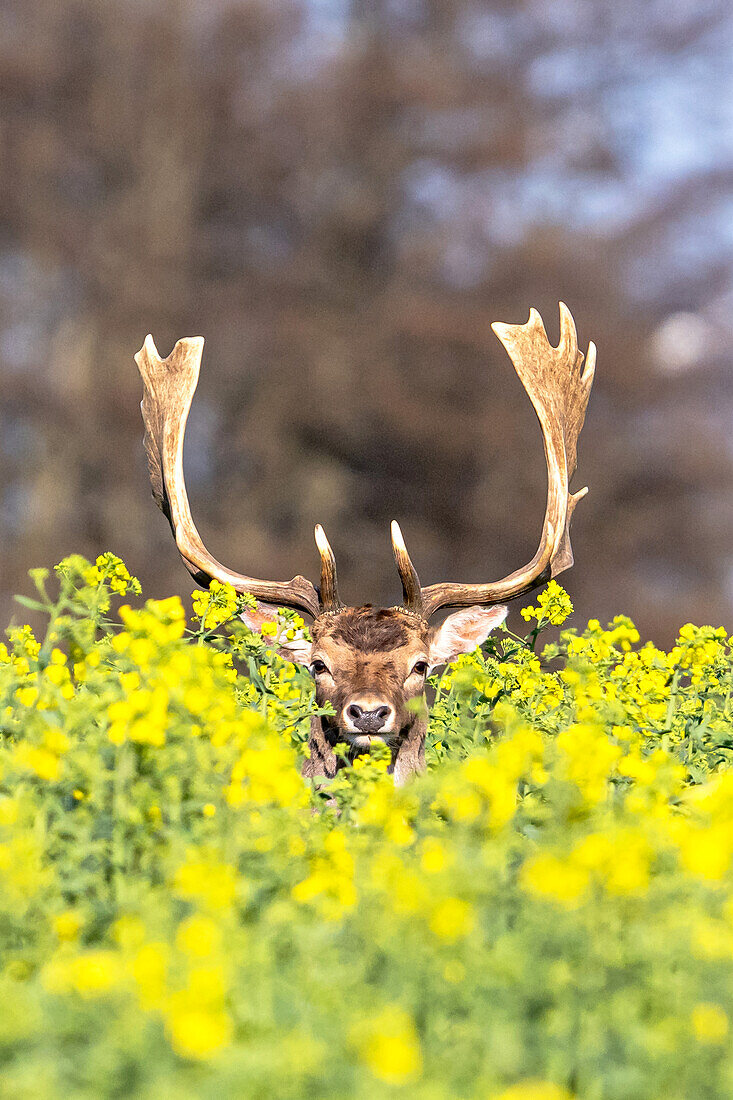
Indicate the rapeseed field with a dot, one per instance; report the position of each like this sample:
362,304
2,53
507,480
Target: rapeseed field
546,914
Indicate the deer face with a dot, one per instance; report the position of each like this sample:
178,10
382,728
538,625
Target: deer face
370,664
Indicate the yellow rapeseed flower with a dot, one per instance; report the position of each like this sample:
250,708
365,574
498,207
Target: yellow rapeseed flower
533,1090
707,851
66,925
198,936
45,764
452,919
198,1033
213,884
434,857
561,881
389,1046
709,1023
91,974
149,968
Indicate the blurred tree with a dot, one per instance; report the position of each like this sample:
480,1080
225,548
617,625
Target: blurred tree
341,196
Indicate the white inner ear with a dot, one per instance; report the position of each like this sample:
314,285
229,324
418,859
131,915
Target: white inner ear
256,619
463,631
296,649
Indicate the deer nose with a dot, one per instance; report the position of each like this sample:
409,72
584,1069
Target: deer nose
368,721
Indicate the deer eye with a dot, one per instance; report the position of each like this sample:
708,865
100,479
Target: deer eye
317,667
420,667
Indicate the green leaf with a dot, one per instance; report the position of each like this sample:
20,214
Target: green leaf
33,605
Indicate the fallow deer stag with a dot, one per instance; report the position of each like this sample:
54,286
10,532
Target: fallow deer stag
370,663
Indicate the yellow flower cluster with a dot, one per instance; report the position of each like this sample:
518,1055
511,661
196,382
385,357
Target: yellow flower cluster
330,882
215,606
546,914
184,983
553,606
112,570
388,1044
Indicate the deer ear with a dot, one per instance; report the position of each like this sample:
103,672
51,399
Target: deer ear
462,632
297,649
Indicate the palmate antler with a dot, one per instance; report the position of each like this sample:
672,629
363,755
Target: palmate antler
559,392
169,388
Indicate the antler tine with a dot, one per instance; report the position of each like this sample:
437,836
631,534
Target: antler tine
559,393
169,388
329,593
411,590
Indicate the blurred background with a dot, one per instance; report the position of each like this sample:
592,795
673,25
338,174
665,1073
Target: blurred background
341,195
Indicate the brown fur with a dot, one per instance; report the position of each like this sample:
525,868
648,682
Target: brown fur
370,629
370,653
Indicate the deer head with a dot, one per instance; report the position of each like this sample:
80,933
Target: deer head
371,664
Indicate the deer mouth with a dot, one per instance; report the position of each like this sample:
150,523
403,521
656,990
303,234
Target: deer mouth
358,739
366,735
365,742
362,740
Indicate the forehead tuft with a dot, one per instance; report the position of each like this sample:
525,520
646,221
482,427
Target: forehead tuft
369,629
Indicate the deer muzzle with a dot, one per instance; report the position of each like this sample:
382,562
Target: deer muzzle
368,718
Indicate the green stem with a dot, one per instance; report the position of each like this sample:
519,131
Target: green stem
202,631
94,611
44,653
726,705
120,778
671,705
